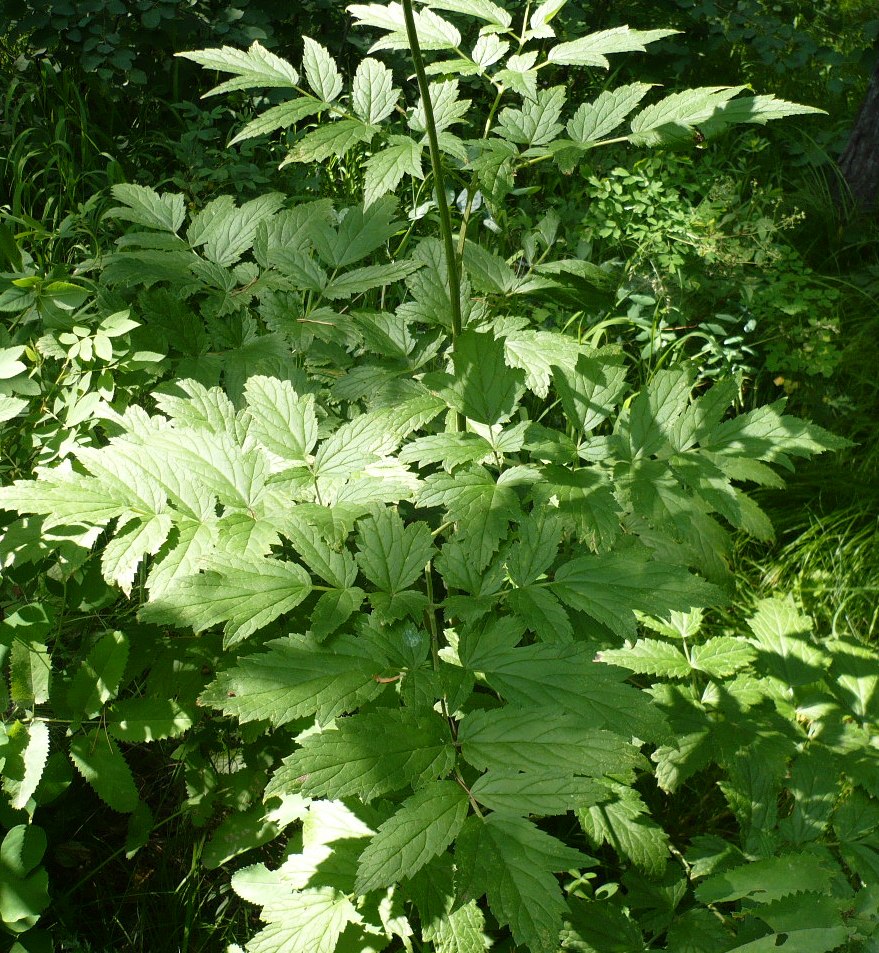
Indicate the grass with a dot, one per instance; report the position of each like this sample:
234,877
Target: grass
161,900
54,163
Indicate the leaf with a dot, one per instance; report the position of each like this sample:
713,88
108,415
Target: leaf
385,169
610,588
147,719
484,389
592,390
423,826
143,206
512,862
520,75
368,755
462,930
563,677
334,139
277,117
599,118
244,592
216,462
540,739
541,17
537,353
782,637
539,609
22,849
536,123
621,822
333,609
855,677
254,68
132,542
815,787
365,279
23,897
767,434
320,70
100,762
756,110
240,831
543,793
361,231
226,232
391,554
11,407
30,673
482,508
448,109
450,449
337,567
296,678
98,678
764,881
650,657
181,555
674,117
373,95
10,365
823,939
600,926
305,920
722,656
539,536
353,447
433,32
585,502
592,50
482,9
26,754
281,419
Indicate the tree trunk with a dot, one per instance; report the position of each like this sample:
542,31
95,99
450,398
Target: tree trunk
859,162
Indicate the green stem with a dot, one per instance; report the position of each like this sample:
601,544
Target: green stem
439,184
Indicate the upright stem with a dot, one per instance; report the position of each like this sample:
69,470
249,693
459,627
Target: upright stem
438,184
